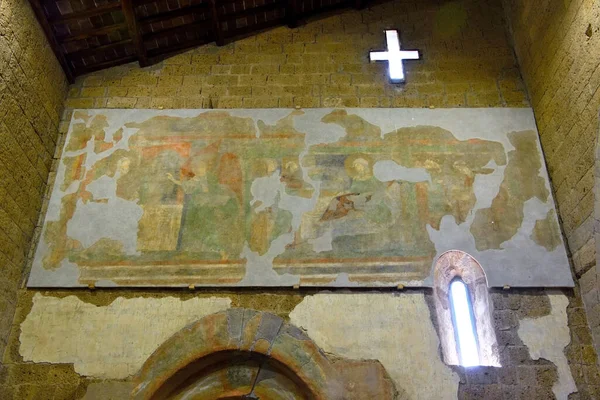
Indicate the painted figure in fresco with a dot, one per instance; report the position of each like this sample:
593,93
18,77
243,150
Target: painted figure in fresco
352,203
210,209
291,176
203,188
155,187
368,195
266,221
358,212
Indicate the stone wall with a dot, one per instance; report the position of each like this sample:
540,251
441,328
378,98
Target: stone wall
531,364
32,92
397,329
467,61
558,46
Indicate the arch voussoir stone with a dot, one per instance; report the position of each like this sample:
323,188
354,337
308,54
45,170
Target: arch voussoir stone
243,334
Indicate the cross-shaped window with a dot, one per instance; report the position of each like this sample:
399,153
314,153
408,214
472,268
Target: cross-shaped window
394,56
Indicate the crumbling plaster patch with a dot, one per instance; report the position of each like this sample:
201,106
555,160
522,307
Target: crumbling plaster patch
393,329
546,337
109,342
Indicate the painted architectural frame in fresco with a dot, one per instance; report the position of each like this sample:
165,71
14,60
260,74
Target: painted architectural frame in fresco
316,197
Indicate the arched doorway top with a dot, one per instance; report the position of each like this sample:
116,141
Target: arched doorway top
240,333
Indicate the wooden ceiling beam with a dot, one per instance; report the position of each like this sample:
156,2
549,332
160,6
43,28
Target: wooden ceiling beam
134,31
88,33
216,24
291,13
106,64
90,12
156,55
360,4
58,51
180,12
93,50
251,11
143,2
260,26
215,14
177,29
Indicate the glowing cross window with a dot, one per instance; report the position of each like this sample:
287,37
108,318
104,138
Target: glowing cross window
464,324
394,56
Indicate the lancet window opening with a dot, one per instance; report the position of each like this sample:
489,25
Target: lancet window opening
463,321
464,311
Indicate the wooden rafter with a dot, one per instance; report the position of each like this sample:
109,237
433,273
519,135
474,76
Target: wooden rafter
201,26
291,13
87,33
109,38
180,12
99,10
93,50
359,4
155,55
58,51
216,23
108,64
250,11
134,31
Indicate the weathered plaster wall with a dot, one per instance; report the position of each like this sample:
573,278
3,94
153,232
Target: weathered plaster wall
32,92
558,47
392,329
534,334
527,375
389,328
110,342
21,379
395,328
469,62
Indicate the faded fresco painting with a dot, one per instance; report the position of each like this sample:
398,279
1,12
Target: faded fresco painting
317,197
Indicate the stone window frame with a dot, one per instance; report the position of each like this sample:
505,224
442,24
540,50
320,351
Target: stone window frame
449,266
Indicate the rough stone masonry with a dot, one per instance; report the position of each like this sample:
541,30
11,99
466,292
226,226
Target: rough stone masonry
469,63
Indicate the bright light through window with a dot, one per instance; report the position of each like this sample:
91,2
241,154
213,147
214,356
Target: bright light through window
464,324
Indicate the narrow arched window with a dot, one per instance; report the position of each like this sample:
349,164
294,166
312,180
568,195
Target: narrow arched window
464,310
464,324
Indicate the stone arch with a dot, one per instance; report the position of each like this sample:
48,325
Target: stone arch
235,353
458,264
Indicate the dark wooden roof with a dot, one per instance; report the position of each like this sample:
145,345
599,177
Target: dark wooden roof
88,35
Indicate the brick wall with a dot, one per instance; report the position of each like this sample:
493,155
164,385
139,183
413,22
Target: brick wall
558,46
32,91
521,377
467,61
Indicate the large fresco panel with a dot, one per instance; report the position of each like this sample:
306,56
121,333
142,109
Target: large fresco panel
315,197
